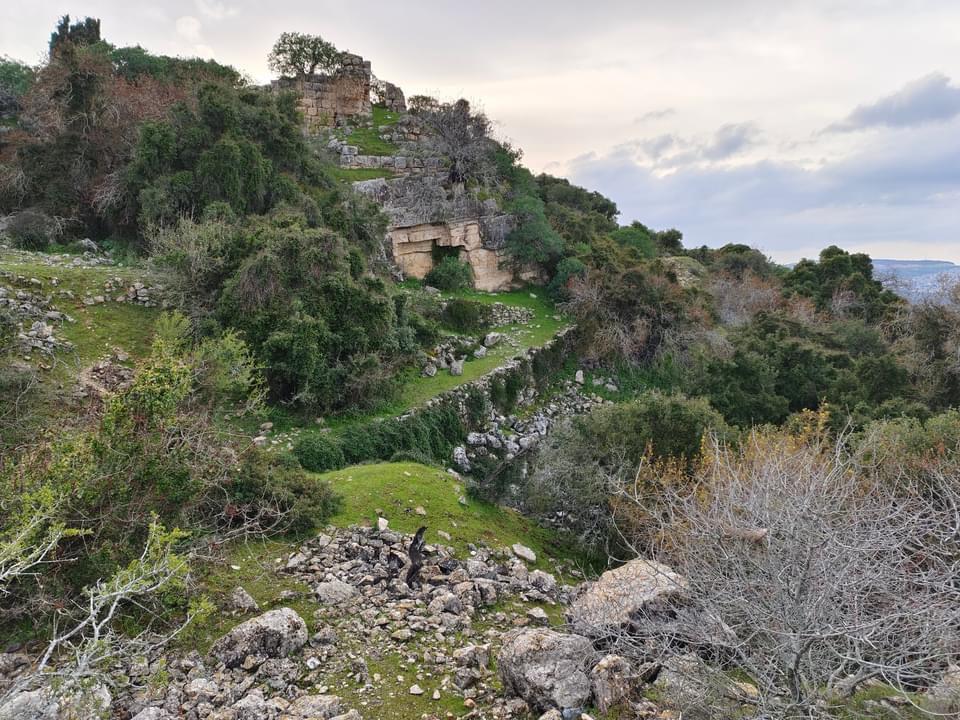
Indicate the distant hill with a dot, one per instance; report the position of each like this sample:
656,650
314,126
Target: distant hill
914,279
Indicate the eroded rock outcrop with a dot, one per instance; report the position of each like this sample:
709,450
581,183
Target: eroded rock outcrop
621,595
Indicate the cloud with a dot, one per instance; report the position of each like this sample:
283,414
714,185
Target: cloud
190,29
654,115
895,198
729,140
669,150
929,99
214,9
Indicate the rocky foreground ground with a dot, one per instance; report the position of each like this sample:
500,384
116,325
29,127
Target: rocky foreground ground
471,639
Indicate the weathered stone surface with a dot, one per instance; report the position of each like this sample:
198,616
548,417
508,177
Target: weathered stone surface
413,252
153,713
91,703
313,707
32,705
241,601
326,99
611,680
524,553
335,592
274,634
621,594
546,668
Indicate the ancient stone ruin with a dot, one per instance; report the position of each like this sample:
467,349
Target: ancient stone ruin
427,219
326,100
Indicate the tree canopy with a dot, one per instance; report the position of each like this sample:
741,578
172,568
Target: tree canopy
298,54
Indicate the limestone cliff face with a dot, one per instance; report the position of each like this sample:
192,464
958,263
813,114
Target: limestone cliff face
413,252
425,212
423,217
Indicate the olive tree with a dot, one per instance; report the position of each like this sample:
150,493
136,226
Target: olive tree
299,55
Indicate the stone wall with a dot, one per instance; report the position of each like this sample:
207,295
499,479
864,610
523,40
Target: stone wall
351,159
424,216
326,100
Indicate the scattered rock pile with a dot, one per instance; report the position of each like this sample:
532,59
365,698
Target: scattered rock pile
501,314
506,436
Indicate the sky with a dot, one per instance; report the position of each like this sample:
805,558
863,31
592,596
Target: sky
787,125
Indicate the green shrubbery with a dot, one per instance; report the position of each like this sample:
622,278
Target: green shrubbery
584,465
33,230
318,453
465,315
428,435
450,274
155,455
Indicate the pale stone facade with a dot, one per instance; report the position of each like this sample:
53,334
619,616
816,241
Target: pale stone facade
413,252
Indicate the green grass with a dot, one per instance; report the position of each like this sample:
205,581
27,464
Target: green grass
397,489
98,328
368,140
394,489
350,175
254,567
416,390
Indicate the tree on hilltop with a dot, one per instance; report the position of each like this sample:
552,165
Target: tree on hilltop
300,55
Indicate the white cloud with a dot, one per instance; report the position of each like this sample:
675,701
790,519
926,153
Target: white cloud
215,10
898,197
190,29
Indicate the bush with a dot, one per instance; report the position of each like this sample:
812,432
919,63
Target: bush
465,315
33,230
270,492
450,274
318,453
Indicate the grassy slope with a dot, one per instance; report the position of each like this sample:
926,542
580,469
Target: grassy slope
395,489
368,140
545,324
97,331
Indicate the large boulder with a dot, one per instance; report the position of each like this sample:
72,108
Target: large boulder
546,668
31,705
622,596
274,634
335,592
76,703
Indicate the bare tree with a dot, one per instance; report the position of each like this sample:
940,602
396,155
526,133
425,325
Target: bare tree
463,137
807,575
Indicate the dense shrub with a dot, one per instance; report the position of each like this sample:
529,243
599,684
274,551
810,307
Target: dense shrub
654,424
584,466
779,365
842,283
464,315
154,454
33,230
450,274
430,432
268,492
318,453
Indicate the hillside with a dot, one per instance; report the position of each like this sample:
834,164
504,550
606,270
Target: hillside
316,403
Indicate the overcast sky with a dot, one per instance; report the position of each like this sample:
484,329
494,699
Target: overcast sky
785,125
